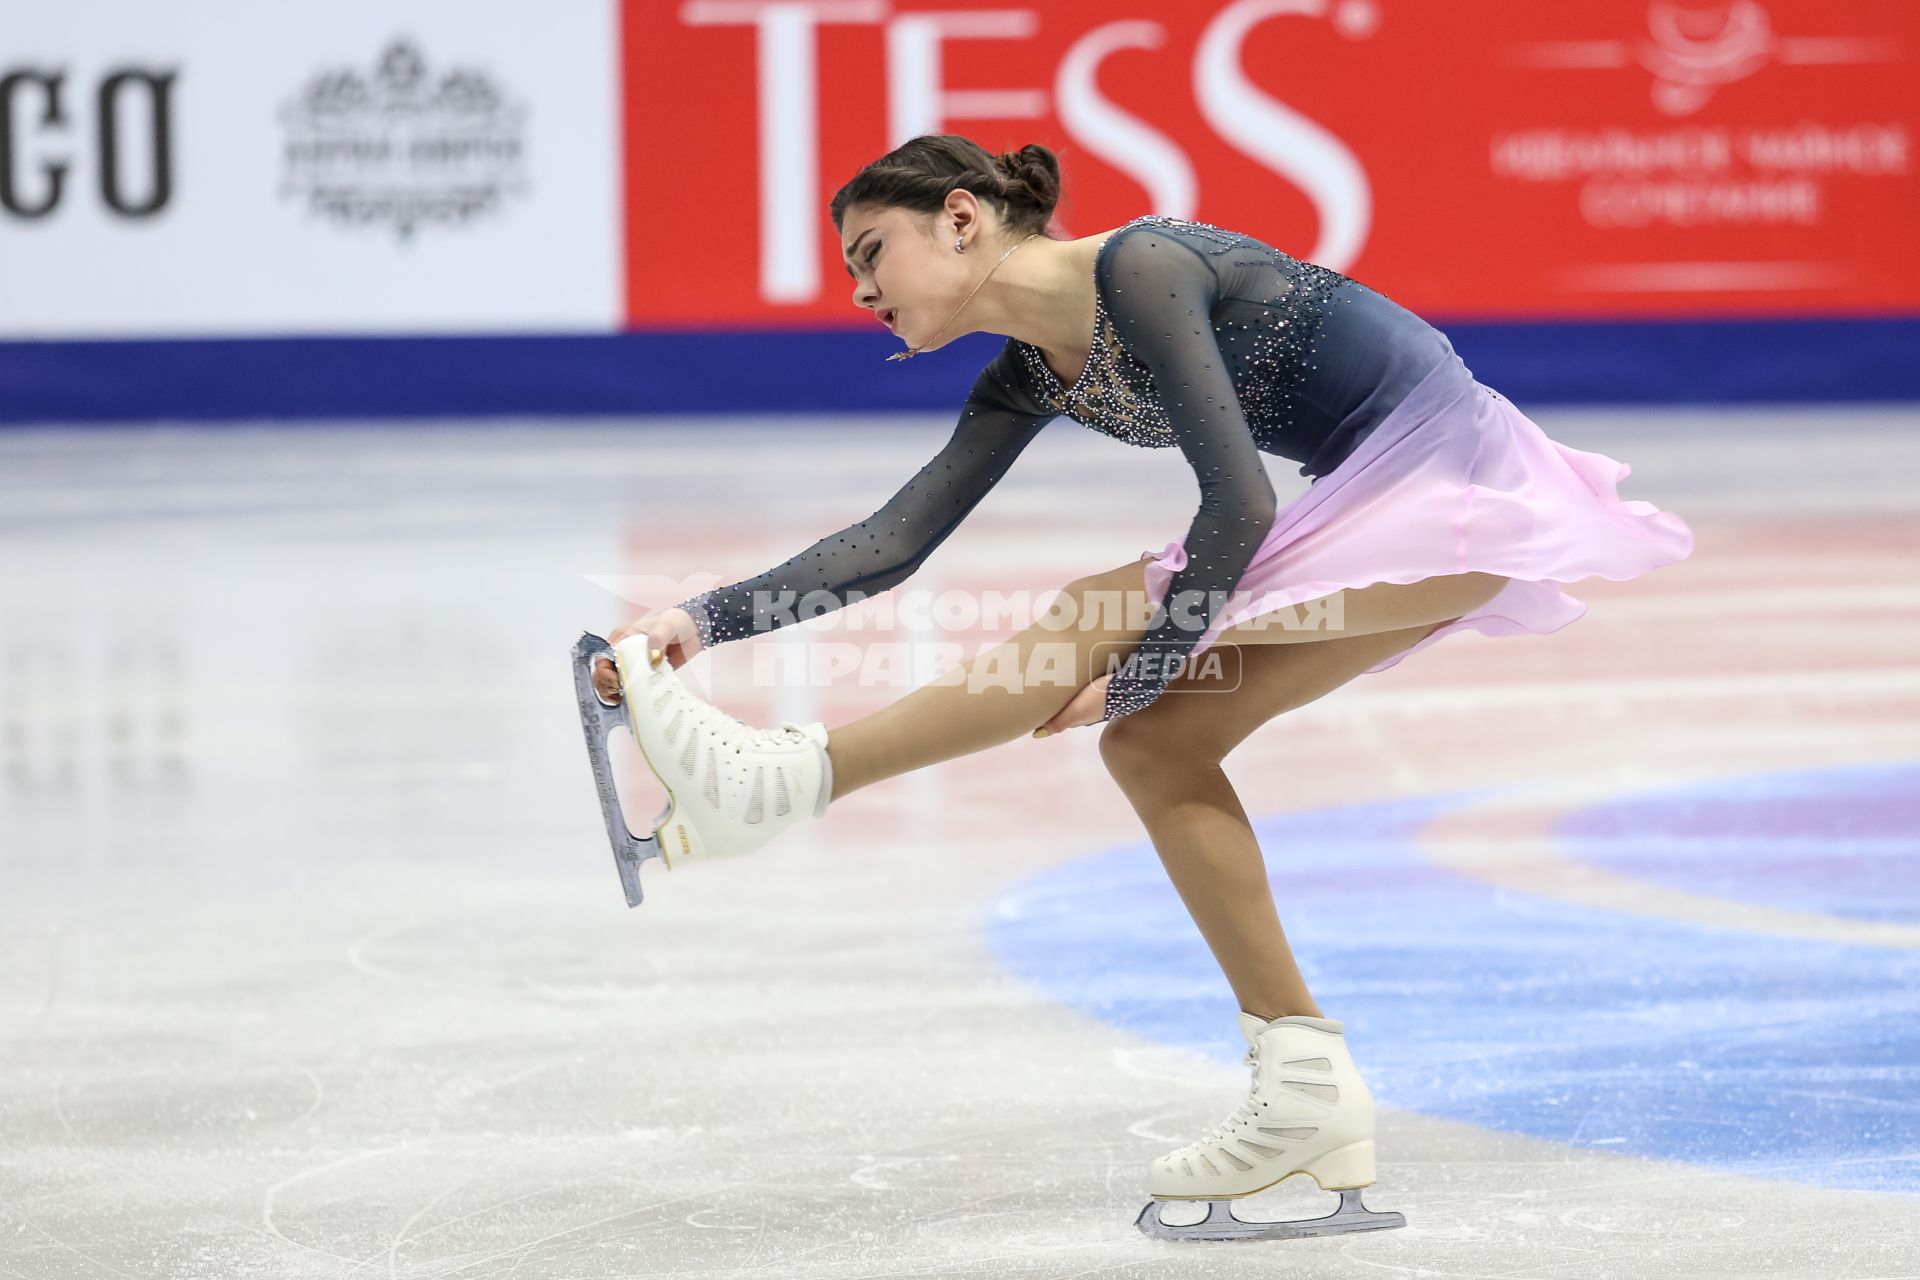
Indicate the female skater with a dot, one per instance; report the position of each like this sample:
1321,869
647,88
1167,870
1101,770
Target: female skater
1433,506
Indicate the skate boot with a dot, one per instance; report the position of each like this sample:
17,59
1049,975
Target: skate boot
1309,1112
731,787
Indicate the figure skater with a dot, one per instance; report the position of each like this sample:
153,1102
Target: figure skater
1433,506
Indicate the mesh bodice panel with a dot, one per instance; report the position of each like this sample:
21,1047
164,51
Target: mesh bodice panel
1316,358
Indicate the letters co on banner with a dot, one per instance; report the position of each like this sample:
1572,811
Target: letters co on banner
128,158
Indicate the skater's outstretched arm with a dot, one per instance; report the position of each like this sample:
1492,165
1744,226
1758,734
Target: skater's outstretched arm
886,548
1159,294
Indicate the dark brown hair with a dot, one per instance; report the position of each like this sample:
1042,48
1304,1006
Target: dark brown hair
1023,185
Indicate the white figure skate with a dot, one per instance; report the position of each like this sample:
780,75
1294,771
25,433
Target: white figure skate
730,787
1309,1112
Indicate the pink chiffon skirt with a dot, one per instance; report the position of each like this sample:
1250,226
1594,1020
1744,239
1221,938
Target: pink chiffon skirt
1454,479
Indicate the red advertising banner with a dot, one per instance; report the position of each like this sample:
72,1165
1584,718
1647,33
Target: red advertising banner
1499,159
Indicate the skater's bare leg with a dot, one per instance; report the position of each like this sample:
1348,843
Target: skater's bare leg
956,716
1166,758
1382,607
961,712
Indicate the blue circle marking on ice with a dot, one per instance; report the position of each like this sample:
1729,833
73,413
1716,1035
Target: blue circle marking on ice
1768,1056
1839,841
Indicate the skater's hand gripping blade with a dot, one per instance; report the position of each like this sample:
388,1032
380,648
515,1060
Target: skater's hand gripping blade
599,719
1221,1224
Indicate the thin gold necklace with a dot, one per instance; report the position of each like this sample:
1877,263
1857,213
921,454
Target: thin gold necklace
908,355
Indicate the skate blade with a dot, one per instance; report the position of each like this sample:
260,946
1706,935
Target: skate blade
599,720
1221,1224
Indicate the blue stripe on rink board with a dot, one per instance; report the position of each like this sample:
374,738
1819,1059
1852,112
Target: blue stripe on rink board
839,370
1762,1055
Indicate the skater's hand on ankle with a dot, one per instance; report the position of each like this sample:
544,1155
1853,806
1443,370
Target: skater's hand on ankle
1089,706
670,633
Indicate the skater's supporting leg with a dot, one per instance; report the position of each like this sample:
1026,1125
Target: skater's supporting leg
1166,758
956,716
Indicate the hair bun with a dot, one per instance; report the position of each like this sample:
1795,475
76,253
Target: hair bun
1031,176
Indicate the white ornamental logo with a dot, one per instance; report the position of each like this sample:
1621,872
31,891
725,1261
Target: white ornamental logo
1691,54
1692,51
401,147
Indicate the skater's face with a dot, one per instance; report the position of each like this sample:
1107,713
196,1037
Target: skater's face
906,272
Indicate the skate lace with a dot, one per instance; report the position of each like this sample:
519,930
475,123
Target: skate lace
785,734
1245,1112
725,727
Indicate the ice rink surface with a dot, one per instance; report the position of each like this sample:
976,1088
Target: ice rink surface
313,961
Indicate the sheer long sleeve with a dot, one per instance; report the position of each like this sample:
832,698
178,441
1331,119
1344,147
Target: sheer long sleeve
1159,294
886,548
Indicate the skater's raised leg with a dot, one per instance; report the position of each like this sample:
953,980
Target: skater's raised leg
965,711
732,786
956,716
